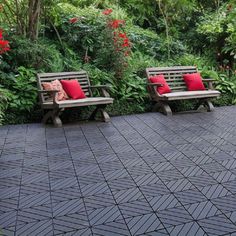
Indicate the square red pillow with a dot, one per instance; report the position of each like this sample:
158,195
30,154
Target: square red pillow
160,79
56,85
194,82
73,89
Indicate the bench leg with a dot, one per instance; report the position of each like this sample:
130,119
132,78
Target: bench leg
92,116
209,106
54,115
164,107
104,114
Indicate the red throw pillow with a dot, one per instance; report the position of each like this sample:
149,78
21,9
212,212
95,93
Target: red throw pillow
194,82
161,80
73,89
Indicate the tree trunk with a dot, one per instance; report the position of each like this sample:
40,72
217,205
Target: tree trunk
34,13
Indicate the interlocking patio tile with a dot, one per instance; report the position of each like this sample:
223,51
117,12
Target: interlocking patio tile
144,174
174,216
217,225
104,215
99,201
190,228
115,228
143,224
43,227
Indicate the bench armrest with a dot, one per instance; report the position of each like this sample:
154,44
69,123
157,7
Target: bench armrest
51,92
102,89
209,82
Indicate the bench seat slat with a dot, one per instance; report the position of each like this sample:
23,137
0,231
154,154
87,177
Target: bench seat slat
79,102
190,94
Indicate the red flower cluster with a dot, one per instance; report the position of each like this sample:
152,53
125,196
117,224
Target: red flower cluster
74,20
121,42
107,12
4,44
115,24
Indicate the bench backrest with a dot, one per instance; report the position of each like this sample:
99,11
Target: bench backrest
81,76
173,75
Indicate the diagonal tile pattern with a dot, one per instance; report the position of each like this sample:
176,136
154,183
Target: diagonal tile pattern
144,174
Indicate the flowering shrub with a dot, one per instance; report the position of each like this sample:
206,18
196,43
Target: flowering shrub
120,45
4,44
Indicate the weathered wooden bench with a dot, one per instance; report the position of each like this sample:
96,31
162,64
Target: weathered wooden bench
54,108
174,78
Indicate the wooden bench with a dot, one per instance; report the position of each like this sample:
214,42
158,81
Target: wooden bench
174,78
48,98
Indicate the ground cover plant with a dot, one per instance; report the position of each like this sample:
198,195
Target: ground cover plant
114,41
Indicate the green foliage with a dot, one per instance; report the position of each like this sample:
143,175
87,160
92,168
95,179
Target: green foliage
4,98
227,86
42,55
75,35
24,90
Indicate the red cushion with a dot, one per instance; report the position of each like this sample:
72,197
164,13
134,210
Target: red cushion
160,79
193,82
73,89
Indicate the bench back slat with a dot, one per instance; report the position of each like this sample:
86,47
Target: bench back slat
173,75
81,76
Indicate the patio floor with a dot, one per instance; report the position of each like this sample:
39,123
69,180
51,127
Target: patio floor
143,174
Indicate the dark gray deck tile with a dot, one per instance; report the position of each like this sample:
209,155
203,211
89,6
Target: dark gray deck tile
44,227
214,191
128,195
35,213
90,178
80,232
217,225
104,215
202,180
231,186
190,196
174,216
10,192
121,184
170,175
179,185
99,201
116,174
70,223
8,205
31,200
30,177
202,210
143,224
223,176
65,194
8,219
188,229
115,228
225,204
67,207
153,190
63,183
163,202
146,179
135,208
94,189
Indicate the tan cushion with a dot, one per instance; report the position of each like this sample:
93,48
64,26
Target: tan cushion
56,85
